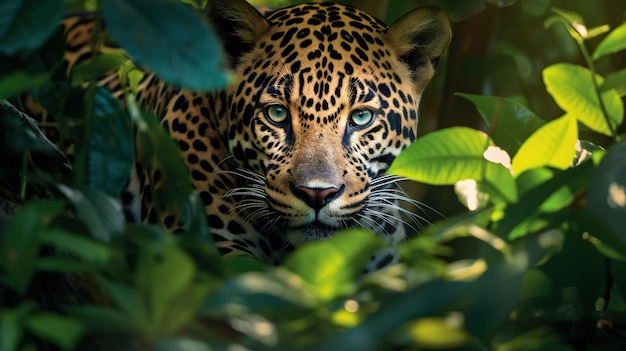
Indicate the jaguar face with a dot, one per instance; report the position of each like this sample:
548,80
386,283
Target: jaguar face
327,96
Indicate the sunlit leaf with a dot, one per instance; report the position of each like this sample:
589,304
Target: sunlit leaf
437,333
446,156
614,42
572,87
509,122
169,37
26,24
551,145
606,196
331,265
573,22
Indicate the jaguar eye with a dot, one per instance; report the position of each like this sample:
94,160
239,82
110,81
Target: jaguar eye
276,113
361,118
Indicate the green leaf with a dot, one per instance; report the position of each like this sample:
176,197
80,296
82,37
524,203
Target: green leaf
446,156
254,292
132,305
90,70
551,145
26,24
330,266
79,246
102,318
19,247
102,214
111,145
169,37
573,22
19,81
436,333
572,87
614,42
62,331
509,122
617,81
11,329
606,195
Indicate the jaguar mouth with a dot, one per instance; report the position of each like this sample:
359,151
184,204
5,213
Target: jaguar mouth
310,232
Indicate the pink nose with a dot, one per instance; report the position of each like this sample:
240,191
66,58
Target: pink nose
316,198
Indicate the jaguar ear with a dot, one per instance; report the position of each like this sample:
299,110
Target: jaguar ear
420,37
238,24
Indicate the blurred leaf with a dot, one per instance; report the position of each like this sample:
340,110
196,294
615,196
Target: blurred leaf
560,197
187,344
26,24
19,247
331,265
61,330
436,333
111,145
11,320
614,42
64,265
79,246
102,214
573,22
551,145
510,122
193,215
606,195
617,81
171,38
255,292
20,81
90,70
132,305
535,284
541,339
102,318
572,87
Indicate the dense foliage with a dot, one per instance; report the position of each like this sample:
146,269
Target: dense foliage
546,209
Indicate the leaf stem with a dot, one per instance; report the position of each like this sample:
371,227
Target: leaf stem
592,68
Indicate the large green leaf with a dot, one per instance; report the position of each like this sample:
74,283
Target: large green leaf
551,145
606,195
63,331
169,37
111,145
509,122
330,266
572,87
26,24
80,246
446,156
19,81
19,247
614,42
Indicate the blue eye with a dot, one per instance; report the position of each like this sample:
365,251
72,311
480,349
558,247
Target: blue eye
276,113
361,118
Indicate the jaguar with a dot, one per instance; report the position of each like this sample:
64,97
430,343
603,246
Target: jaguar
324,97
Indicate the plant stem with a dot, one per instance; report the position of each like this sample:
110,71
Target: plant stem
592,68
23,178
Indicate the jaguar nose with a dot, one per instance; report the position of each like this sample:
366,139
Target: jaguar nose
316,198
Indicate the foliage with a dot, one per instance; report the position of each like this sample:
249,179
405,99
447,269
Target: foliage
546,208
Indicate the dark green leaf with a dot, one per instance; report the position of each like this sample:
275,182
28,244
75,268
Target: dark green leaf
11,321
617,81
26,24
131,303
102,318
169,37
20,242
330,266
606,195
111,145
102,214
61,330
88,71
19,81
79,246
510,122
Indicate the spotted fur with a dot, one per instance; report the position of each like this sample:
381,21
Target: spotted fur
324,97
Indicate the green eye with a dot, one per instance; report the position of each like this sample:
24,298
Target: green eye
276,113
361,118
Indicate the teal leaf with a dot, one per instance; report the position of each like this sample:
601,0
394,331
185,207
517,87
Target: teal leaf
26,24
111,145
572,87
171,38
509,122
615,41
